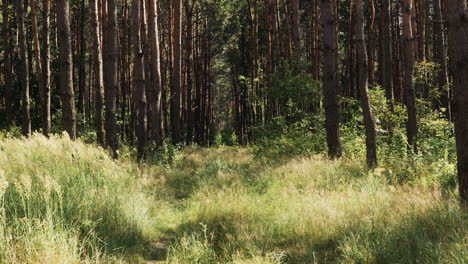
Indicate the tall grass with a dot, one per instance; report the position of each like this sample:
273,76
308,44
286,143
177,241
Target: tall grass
68,202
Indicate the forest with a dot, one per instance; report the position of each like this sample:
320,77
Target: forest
234,131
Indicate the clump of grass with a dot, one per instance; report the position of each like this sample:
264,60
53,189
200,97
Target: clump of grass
320,211
68,202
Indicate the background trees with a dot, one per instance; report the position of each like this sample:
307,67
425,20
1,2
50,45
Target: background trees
203,72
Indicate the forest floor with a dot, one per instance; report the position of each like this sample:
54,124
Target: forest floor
218,205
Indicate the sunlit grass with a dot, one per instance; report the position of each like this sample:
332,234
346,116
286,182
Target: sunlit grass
68,202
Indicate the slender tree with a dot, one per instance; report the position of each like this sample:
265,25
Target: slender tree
458,51
66,67
296,23
155,68
387,57
37,55
330,79
409,92
7,69
440,56
176,90
363,82
139,77
98,71
45,54
110,75
23,66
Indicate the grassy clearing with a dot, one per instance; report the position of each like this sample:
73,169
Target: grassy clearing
67,202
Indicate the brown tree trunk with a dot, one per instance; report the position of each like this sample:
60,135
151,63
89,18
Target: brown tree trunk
37,55
46,67
410,96
155,65
371,43
66,67
363,68
7,68
98,71
188,63
23,67
296,27
81,59
110,75
387,56
440,57
176,92
139,72
330,79
458,51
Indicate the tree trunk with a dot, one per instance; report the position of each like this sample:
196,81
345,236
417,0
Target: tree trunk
37,55
296,27
81,59
188,63
110,75
363,68
66,67
410,96
98,71
46,67
139,77
440,57
7,64
387,57
371,43
23,67
458,51
155,65
176,93
330,80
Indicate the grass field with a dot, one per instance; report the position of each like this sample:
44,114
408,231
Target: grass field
68,202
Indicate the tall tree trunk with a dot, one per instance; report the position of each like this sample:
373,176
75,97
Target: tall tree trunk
330,79
139,77
155,65
7,70
410,96
440,58
188,63
371,42
296,27
66,67
46,117
387,57
371,142
110,75
98,71
176,92
37,55
23,67
81,59
458,51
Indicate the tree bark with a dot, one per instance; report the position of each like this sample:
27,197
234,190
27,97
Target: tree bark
363,82
23,67
330,80
140,82
110,75
440,57
176,93
46,67
387,58
98,71
155,67
7,70
410,95
296,27
458,51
